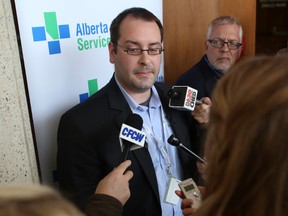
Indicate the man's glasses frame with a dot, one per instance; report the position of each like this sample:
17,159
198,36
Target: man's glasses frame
219,43
138,51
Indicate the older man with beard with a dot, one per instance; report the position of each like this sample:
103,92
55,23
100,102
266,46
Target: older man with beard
223,48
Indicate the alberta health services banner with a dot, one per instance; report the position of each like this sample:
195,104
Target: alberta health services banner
65,51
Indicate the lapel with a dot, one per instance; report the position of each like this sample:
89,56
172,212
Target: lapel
118,102
176,119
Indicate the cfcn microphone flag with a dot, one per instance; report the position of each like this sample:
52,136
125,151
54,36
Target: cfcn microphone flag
131,137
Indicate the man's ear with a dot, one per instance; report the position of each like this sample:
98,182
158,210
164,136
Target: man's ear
206,45
111,48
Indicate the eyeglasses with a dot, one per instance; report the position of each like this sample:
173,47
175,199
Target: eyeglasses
138,51
218,43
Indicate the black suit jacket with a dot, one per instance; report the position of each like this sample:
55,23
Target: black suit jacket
203,78
89,148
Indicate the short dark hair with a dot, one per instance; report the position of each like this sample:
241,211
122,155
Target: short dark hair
136,12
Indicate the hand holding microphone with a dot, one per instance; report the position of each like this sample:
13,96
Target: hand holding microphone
116,183
201,112
183,98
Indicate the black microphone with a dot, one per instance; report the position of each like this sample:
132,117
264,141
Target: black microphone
131,134
175,142
183,98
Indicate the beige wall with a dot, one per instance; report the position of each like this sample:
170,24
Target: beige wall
17,155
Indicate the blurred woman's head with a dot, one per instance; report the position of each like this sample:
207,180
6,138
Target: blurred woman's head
247,140
34,200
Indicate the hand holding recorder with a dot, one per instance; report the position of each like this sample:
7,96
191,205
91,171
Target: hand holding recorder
191,192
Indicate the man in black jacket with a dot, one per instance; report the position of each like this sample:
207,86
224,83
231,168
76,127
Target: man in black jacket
223,48
88,134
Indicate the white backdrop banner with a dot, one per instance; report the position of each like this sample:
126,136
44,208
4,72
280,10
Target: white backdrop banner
65,51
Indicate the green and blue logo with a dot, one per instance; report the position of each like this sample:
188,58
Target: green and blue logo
55,31
93,88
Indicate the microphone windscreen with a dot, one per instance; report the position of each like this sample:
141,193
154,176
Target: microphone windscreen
177,96
172,140
134,120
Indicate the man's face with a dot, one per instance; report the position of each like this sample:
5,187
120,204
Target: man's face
136,73
223,58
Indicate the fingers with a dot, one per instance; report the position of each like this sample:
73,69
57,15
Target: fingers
201,167
186,203
206,100
205,105
122,169
180,194
123,166
202,190
189,211
128,174
201,111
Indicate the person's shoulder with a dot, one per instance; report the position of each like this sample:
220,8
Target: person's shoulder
162,89
162,85
191,74
90,105
198,67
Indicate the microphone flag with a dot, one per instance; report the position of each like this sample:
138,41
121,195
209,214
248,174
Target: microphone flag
183,98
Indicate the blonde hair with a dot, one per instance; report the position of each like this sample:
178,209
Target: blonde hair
246,144
34,200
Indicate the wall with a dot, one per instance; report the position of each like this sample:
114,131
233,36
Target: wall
17,155
271,26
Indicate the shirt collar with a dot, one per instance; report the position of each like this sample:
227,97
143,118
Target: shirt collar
218,73
155,101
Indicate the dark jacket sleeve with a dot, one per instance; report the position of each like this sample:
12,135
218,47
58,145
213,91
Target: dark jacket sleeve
103,205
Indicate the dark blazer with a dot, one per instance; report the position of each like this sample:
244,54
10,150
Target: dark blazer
89,148
201,77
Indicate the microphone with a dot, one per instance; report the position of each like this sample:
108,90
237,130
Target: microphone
175,142
183,98
131,137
